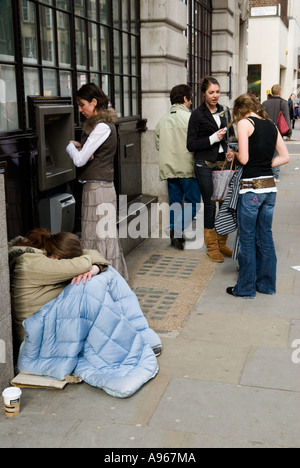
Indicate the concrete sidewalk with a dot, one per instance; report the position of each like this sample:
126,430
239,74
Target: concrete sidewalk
226,377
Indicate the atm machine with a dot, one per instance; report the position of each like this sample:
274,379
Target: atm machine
53,120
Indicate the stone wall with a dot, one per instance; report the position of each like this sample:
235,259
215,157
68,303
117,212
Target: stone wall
229,47
164,55
6,348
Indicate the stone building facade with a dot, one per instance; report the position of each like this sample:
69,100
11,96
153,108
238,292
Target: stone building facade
6,353
276,59
167,42
164,54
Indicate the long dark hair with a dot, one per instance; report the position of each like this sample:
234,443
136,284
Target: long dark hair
63,245
90,91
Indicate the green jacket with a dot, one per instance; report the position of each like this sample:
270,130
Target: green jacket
175,161
37,279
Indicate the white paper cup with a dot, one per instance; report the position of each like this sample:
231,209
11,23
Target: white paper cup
11,396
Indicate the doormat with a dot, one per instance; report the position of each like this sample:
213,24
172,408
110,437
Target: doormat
168,283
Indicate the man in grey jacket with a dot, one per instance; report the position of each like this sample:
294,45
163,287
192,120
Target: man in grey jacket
274,104
176,163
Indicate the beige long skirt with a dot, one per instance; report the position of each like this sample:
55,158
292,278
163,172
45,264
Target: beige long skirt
99,223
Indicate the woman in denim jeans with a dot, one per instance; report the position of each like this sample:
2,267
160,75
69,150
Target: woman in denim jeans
258,138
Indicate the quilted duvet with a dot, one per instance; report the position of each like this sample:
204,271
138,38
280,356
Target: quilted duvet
96,332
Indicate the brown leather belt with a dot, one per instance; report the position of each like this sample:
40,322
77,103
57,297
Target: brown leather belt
258,183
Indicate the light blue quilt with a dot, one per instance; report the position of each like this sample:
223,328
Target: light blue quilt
96,332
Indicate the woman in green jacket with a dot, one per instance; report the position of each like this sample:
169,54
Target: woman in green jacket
42,265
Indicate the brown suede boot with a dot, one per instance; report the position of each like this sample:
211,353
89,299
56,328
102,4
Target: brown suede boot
224,249
212,244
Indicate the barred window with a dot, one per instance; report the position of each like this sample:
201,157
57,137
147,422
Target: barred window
199,31
64,44
9,120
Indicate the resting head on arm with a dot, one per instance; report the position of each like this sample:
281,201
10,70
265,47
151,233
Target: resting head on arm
61,246
66,245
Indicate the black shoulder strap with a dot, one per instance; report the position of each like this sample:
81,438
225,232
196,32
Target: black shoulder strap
251,121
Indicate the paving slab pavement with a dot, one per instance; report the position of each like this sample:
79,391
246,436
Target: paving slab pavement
226,377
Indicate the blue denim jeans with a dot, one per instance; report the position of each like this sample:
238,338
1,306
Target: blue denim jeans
257,256
186,190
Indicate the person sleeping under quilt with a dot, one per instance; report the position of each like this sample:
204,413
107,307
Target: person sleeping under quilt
91,327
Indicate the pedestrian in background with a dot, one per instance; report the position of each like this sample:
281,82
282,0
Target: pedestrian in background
291,103
273,106
94,156
258,137
176,163
207,139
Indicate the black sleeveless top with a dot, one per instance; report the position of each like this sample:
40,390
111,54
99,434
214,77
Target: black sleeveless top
262,145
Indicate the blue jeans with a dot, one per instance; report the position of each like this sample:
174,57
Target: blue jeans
180,190
257,256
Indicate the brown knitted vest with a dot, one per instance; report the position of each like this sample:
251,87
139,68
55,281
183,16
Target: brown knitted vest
102,167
